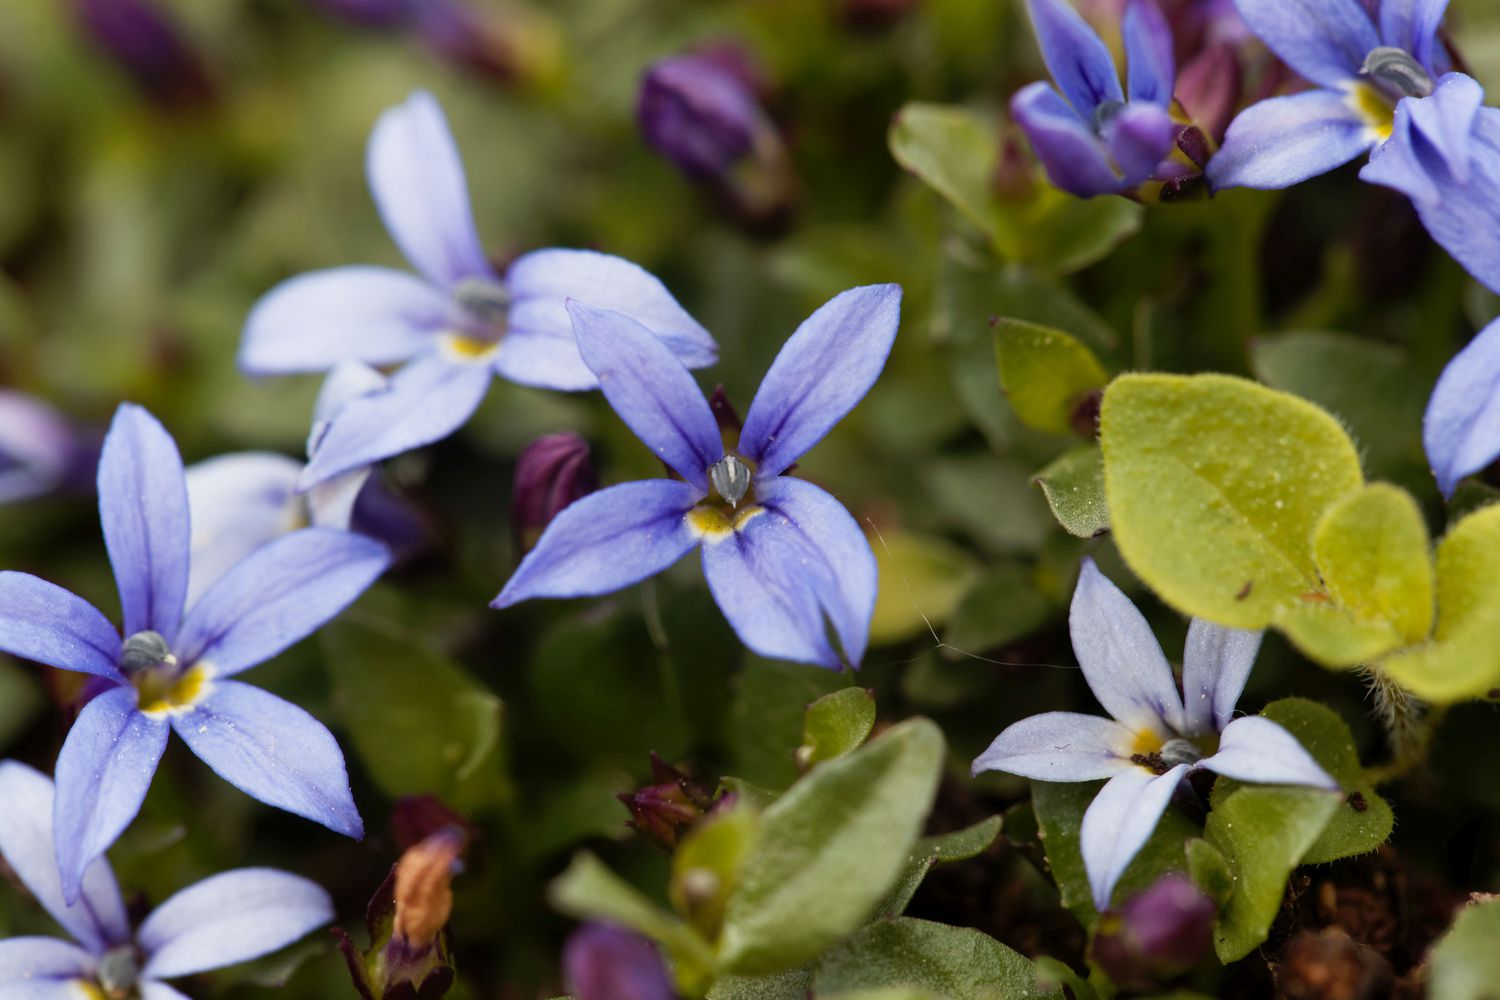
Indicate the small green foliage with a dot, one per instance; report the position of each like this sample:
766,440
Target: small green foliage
706,866
1465,964
1003,606
1364,821
1215,486
1209,870
956,151
793,984
837,724
1263,832
830,849
767,717
954,963
1462,660
960,845
1074,486
419,722
1045,373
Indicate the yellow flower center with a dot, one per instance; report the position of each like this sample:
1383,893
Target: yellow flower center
163,691
714,524
1377,111
467,350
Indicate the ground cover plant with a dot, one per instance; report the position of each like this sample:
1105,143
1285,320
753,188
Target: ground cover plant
753,500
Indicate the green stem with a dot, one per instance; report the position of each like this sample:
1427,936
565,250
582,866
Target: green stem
1408,723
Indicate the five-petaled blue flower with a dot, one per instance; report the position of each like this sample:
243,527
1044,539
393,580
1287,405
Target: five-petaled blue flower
223,920
1461,430
173,670
459,324
779,553
1157,736
1096,141
1381,85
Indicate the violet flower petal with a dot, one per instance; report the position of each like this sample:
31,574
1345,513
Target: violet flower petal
272,751
1060,746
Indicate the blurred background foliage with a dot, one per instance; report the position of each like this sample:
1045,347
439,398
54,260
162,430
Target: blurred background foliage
141,218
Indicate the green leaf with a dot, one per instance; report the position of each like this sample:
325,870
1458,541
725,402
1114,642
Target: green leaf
1074,487
1465,964
955,151
837,724
1209,870
1003,606
1371,550
419,722
1373,388
588,890
706,866
968,489
1263,831
1215,486
1045,373
922,578
1059,812
793,984
960,845
767,717
1364,820
1463,660
830,849
953,963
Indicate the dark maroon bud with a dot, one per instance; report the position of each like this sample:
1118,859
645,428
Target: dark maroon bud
665,810
874,15
601,962
1156,935
371,13
551,473
138,36
414,818
506,45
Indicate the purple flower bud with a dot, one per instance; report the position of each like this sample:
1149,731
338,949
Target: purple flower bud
1208,87
138,36
40,451
551,473
698,114
701,111
1156,935
602,962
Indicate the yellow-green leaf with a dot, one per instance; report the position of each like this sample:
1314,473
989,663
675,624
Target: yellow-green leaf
1372,551
1215,486
922,579
1045,373
1074,487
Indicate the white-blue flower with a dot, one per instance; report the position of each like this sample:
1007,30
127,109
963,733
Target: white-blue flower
1157,736
223,920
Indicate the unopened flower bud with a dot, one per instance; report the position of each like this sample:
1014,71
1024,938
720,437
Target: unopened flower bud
506,46
551,473
701,112
664,811
602,962
408,958
1156,935
424,887
874,15
1208,87
371,13
142,41
40,451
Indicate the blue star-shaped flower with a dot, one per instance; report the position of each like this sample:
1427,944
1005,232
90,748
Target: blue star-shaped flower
779,553
223,920
457,325
174,670
1382,86
1156,737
